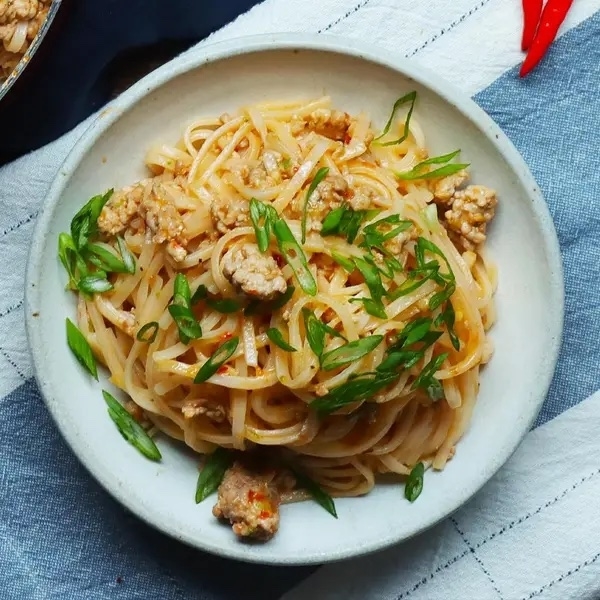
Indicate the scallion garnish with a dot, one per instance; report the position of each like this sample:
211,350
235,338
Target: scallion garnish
414,483
321,174
374,308
262,216
277,338
181,311
345,263
219,357
95,283
447,318
224,305
148,332
350,352
294,256
81,349
105,259
130,429
258,307
317,493
357,389
200,294
372,278
426,377
417,172
85,223
316,331
126,256
212,473
67,252
410,97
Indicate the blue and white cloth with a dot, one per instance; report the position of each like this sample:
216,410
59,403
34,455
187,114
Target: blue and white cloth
63,537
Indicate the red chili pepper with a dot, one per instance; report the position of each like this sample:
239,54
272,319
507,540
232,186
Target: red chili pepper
553,15
532,9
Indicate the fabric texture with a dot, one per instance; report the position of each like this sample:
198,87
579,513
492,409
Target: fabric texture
61,536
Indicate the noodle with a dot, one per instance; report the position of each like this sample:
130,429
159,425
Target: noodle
192,218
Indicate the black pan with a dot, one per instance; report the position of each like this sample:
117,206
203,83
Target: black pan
28,57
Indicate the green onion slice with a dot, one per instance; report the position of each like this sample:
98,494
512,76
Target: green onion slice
317,493
414,483
148,332
277,338
411,97
130,429
321,174
350,352
81,349
219,357
212,473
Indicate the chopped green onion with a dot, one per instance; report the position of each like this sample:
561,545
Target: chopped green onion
321,174
374,308
350,352
345,263
67,252
415,331
107,260
286,163
357,389
430,216
187,324
447,317
294,256
81,349
200,294
126,255
130,429
181,289
219,357
410,97
344,221
414,483
331,223
316,331
314,489
440,297
259,307
372,278
426,376
224,305
417,171
435,390
402,358
95,284
277,338
424,245
212,473
263,216
315,334
148,332
84,223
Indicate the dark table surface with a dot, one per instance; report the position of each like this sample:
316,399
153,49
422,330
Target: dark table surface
94,48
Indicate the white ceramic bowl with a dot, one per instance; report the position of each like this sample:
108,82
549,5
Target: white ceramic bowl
523,242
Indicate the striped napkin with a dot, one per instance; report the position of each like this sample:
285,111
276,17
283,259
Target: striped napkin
531,534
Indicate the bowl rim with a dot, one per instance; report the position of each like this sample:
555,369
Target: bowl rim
216,51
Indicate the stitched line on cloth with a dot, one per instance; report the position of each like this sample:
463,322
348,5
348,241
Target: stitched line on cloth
479,561
504,529
587,563
344,17
18,224
13,364
447,29
8,310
